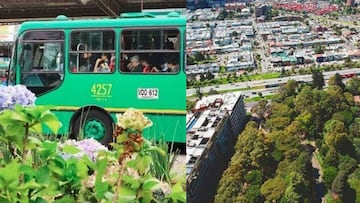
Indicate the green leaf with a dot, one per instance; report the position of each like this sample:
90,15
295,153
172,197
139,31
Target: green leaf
57,165
15,129
43,175
147,196
150,183
26,169
100,189
29,185
156,149
71,171
143,163
82,169
126,194
49,145
36,128
88,162
40,200
121,138
135,146
131,181
2,131
10,173
28,172
177,193
70,149
4,200
109,195
33,143
51,121
19,115
47,149
66,199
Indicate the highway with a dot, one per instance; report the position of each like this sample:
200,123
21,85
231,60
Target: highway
250,84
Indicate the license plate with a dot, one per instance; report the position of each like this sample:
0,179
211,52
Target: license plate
148,93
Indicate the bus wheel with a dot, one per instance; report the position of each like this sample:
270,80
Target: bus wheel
95,124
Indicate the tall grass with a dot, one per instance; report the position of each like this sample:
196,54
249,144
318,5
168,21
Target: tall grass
161,167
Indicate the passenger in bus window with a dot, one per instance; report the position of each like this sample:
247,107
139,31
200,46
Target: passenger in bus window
171,65
85,63
112,62
124,63
147,68
102,64
134,65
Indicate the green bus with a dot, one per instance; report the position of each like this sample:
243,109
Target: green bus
91,69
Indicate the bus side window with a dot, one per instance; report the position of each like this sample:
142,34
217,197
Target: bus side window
91,51
155,48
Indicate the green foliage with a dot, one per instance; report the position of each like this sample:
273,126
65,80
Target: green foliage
318,79
163,162
190,105
278,123
331,158
199,56
344,116
36,170
338,184
354,182
252,153
21,127
292,122
354,128
289,89
273,189
253,193
329,175
254,177
261,108
353,86
336,80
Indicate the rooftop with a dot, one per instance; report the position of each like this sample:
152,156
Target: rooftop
202,126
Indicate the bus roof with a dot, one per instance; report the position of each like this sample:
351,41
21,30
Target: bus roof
134,19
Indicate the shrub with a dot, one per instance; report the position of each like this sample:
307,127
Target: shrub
34,169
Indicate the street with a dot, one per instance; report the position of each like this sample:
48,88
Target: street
250,84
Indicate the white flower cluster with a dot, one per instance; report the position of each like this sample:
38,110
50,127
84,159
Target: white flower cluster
18,94
133,119
89,147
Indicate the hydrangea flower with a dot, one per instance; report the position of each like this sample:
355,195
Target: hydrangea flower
89,147
18,94
133,119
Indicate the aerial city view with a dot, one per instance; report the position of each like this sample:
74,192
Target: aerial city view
92,101
273,101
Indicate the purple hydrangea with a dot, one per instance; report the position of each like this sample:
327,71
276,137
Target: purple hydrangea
18,94
89,147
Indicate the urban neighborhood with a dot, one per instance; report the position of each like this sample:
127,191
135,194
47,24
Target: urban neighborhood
254,69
